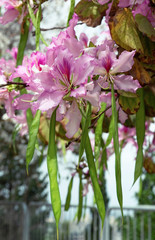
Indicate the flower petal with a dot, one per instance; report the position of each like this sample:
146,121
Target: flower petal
122,116
126,83
124,62
48,100
9,16
74,118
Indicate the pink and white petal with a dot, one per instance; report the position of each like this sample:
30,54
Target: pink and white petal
84,39
72,23
74,46
89,86
21,71
61,111
102,2
44,80
99,70
126,83
124,3
102,82
109,112
9,16
124,62
105,98
23,102
78,92
48,100
83,69
74,118
93,98
9,106
122,116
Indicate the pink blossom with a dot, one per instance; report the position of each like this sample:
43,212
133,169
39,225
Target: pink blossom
57,78
31,66
107,66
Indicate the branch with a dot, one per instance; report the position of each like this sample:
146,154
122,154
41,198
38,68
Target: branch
54,28
14,83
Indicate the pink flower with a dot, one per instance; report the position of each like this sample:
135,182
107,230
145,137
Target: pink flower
59,79
31,66
110,69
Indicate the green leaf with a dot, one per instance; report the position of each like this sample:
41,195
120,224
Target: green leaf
90,12
93,174
44,129
124,31
91,165
130,103
103,158
98,132
71,11
29,117
33,19
85,124
68,198
111,131
14,134
80,205
149,49
38,18
102,162
140,132
52,166
92,168
117,153
35,23
32,138
149,99
22,43
138,72
145,26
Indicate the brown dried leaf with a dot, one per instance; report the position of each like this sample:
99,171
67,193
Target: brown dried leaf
90,12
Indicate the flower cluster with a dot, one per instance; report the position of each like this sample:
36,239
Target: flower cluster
63,77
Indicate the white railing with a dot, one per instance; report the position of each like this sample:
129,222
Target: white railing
138,223
36,222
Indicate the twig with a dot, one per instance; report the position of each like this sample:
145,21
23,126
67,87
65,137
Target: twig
13,83
54,28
